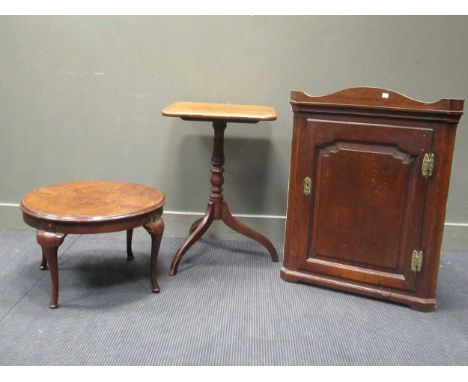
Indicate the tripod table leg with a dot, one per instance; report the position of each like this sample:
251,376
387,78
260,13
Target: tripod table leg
193,237
237,226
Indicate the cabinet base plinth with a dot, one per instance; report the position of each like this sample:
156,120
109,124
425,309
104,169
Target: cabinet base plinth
388,294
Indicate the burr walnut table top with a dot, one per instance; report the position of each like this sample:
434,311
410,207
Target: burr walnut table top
219,111
91,201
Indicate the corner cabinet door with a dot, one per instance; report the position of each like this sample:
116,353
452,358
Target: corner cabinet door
366,201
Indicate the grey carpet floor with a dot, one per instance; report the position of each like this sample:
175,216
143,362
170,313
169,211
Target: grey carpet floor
227,306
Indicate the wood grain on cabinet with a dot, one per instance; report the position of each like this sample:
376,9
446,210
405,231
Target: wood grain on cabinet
360,211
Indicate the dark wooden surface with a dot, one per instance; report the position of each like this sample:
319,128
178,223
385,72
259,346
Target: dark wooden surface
217,208
92,207
369,206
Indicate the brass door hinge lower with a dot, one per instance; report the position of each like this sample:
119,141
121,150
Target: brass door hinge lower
416,260
307,185
427,165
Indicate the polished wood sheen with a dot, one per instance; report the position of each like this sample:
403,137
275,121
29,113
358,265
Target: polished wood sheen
218,111
92,207
91,201
369,207
217,208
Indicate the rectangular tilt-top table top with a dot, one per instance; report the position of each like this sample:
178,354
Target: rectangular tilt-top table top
219,111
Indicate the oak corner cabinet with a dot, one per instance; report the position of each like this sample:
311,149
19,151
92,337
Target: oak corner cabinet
368,185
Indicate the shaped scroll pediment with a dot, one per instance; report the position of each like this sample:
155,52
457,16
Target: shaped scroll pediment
376,98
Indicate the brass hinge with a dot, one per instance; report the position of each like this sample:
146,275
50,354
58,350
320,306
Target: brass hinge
307,185
427,165
416,260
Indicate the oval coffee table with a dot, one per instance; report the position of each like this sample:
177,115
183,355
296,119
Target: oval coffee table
92,207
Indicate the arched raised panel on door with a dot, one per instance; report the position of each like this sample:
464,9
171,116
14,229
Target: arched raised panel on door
369,209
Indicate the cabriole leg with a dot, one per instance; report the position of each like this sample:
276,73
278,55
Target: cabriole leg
156,229
129,245
44,262
50,242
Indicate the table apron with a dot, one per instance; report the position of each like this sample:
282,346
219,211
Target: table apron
91,227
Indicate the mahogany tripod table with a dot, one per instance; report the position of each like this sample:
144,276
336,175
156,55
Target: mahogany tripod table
219,115
92,207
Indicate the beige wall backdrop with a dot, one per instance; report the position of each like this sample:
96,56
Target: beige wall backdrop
80,98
